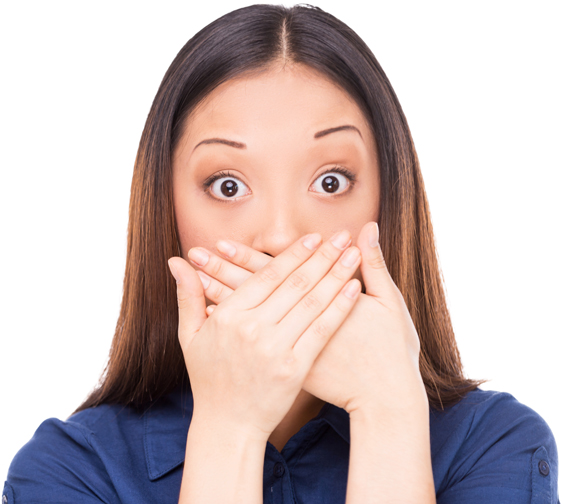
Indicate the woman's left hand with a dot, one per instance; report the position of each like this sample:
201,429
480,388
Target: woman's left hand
372,362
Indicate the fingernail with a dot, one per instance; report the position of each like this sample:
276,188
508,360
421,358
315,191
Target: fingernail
374,235
352,290
198,256
226,248
312,241
211,309
173,272
205,280
350,257
341,240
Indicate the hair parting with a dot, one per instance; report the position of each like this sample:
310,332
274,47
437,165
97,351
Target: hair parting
146,361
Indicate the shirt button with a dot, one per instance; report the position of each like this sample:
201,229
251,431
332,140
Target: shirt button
278,469
543,467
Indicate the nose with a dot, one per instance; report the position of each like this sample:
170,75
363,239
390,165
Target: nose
279,227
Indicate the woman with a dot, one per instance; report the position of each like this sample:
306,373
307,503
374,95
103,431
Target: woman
347,395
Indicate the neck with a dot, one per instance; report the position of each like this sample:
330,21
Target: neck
304,409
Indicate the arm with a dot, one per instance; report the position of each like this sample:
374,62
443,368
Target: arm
221,466
390,458
248,360
371,369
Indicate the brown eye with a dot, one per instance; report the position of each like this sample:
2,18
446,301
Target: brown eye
228,187
330,183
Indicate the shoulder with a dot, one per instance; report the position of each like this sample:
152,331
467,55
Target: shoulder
71,461
490,446
489,414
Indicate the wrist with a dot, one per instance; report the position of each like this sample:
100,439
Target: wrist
215,453
392,409
383,439
215,429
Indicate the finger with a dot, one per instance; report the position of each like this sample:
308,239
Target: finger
376,277
318,299
214,266
263,282
191,300
210,309
314,339
215,291
242,255
305,277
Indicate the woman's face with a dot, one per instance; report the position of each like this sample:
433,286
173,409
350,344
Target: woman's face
268,158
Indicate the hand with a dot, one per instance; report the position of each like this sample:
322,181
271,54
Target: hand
373,359
248,360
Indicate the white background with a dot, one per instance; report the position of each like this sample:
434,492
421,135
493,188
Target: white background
479,83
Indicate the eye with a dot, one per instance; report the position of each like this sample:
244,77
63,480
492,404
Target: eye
335,181
224,186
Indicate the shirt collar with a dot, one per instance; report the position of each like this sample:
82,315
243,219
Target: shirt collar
167,421
165,432
337,418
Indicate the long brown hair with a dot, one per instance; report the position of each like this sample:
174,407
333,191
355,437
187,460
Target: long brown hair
146,360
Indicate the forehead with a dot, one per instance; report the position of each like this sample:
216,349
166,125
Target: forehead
291,100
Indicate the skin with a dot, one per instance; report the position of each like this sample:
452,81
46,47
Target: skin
290,330
276,115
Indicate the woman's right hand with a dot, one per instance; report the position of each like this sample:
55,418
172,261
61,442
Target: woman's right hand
248,360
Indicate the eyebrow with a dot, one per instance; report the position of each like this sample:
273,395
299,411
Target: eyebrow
240,145
345,127
230,143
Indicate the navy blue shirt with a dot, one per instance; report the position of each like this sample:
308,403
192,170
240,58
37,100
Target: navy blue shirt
487,449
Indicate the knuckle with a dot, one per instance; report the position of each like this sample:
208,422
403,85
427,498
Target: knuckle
298,281
339,273
287,370
183,302
268,350
218,292
326,254
283,366
284,373
311,302
216,268
249,330
377,262
245,258
297,253
342,304
223,317
268,274
321,329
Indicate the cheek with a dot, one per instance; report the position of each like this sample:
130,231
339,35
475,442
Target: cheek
202,224
352,216
193,228
200,221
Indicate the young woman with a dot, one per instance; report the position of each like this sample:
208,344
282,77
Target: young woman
304,352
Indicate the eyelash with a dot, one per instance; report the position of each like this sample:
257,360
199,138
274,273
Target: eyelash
336,169
344,171
207,183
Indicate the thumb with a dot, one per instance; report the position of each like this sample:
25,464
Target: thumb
191,299
376,277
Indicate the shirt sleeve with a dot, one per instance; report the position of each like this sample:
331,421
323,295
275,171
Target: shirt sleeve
508,456
58,465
